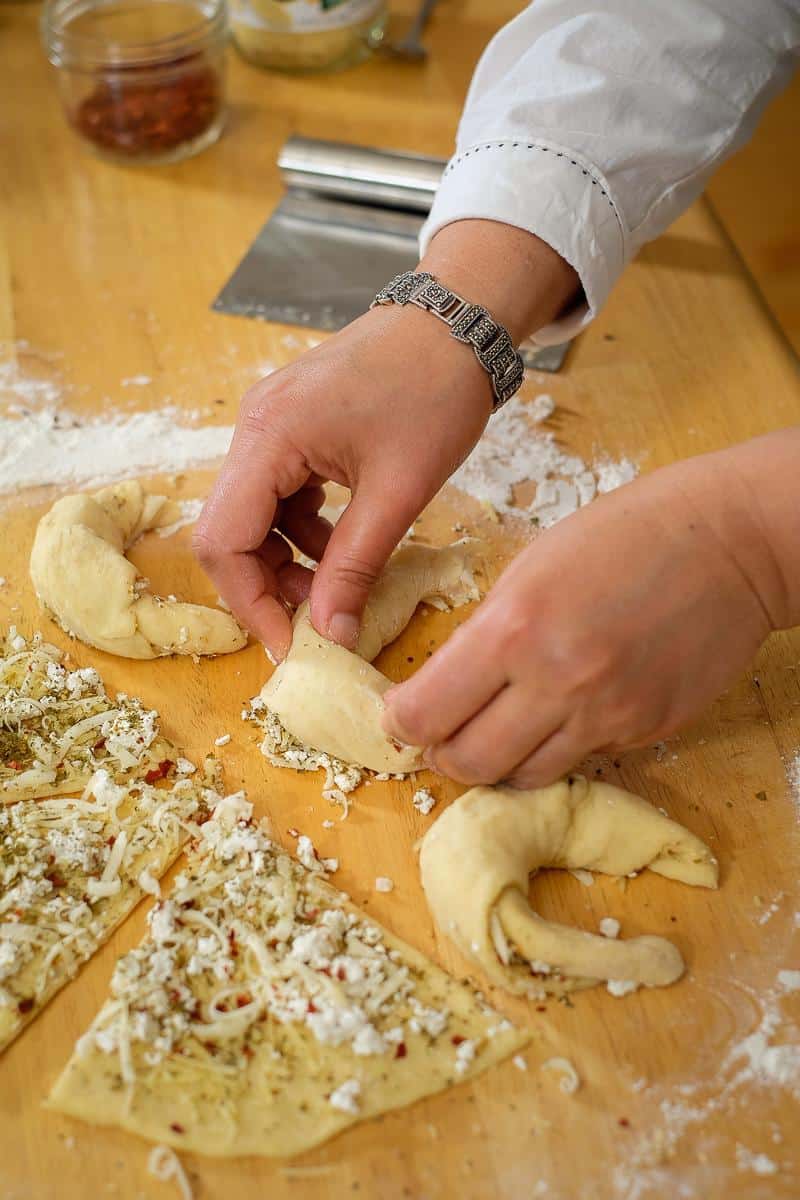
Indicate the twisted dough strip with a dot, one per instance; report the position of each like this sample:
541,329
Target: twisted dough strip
81,574
477,858
330,698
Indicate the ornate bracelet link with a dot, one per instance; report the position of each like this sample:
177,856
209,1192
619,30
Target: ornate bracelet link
469,323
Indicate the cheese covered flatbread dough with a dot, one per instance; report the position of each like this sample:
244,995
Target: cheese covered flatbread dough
58,725
72,869
263,1014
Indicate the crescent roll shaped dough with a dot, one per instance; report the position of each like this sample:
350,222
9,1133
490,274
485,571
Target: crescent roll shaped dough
476,860
80,573
330,698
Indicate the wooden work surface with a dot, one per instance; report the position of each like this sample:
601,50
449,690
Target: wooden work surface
112,271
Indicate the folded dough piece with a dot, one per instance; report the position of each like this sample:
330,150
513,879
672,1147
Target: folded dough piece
476,860
330,698
81,575
58,726
264,1014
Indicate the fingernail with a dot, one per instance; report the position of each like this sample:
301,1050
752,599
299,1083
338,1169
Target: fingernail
344,628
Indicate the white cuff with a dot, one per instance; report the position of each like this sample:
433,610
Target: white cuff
553,193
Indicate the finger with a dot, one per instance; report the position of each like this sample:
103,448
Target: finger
550,761
236,520
378,515
500,736
454,684
300,521
295,583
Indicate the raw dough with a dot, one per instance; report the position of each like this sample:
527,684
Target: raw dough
81,575
477,858
58,726
330,698
290,1016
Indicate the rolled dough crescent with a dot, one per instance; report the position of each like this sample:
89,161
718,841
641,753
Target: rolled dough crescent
477,858
331,699
81,575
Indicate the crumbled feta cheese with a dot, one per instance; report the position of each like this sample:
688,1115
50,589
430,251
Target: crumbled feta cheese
346,1097
148,883
384,884
570,1080
223,740
369,1041
621,987
327,824
540,968
423,801
610,927
184,767
519,1062
465,1054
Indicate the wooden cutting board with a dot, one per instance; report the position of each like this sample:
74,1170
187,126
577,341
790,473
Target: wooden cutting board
113,270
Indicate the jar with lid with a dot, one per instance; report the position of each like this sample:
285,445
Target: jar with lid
307,35
141,81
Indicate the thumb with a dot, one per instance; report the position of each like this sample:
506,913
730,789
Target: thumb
377,517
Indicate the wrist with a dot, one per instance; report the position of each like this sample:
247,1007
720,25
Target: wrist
518,278
747,496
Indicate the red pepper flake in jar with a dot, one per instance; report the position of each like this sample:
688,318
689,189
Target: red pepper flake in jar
142,80
130,112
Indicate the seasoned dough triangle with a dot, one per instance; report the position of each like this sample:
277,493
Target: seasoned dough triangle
264,1014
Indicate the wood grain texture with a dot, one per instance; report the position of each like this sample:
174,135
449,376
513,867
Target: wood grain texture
113,270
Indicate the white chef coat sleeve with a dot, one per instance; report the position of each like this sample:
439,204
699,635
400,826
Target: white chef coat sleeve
594,126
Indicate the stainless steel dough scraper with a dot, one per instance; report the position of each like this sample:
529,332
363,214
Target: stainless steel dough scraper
349,220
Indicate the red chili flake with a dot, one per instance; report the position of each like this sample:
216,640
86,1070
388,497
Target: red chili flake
312,1008
176,1128
57,880
110,840
401,1051
248,1051
312,914
99,744
624,1122
14,765
325,971
160,771
541,1008
143,110
457,1039
341,974
25,1005
243,999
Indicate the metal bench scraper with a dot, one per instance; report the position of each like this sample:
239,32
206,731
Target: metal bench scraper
348,221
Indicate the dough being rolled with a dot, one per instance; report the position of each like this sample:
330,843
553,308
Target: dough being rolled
477,858
81,575
330,698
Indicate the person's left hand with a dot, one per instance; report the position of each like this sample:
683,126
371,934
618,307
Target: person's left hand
611,630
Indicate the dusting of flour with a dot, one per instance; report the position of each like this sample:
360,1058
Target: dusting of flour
50,447
514,451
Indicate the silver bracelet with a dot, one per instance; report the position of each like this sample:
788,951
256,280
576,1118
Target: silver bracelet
469,323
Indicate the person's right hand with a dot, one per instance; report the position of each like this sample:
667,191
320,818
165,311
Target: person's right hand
389,408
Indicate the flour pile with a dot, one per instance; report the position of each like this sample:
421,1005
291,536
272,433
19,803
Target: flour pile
513,451
49,447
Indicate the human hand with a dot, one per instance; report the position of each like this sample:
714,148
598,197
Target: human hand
611,630
389,408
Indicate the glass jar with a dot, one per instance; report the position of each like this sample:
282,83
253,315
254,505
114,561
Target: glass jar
142,81
307,35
